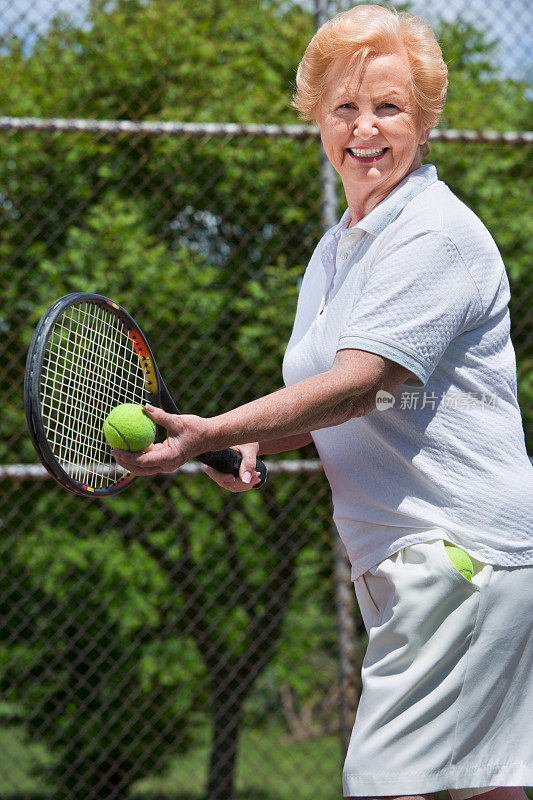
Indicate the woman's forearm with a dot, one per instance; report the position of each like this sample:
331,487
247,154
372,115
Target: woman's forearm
286,443
331,398
288,412
318,402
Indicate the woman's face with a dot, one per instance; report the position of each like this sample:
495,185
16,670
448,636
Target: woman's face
370,127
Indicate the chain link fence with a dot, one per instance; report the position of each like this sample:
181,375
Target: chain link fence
175,642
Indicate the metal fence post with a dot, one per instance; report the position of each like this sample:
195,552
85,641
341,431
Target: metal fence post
328,180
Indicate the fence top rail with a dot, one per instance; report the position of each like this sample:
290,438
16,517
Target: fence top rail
158,128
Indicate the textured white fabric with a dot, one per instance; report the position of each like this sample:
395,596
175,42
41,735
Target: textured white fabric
447,698
420,280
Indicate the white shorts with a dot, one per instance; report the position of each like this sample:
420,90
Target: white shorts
447,699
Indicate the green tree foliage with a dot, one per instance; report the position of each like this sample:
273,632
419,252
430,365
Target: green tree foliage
203,545
190,235
92,634
128,623
233,204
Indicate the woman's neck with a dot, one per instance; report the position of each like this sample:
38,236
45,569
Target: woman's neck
363,199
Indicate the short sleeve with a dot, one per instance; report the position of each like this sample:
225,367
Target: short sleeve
418,296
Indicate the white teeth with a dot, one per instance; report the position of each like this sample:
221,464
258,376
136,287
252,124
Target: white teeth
367,152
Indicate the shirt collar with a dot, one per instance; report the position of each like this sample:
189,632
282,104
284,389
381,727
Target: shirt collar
383,214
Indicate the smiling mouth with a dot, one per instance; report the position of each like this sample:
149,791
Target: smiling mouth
367,154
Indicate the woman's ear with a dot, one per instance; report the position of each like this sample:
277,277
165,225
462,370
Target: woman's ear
424,136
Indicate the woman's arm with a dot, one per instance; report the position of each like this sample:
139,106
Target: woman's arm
345,391
284,444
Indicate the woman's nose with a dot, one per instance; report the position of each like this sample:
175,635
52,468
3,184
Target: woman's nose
365,125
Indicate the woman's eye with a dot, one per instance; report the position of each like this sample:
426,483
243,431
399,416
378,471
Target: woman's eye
384,106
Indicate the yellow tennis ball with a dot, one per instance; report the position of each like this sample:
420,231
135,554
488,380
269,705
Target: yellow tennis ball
461,560
127,427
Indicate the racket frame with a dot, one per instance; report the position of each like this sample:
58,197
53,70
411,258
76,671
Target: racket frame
154,389
32,385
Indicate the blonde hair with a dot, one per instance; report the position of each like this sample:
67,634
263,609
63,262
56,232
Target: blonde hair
364,32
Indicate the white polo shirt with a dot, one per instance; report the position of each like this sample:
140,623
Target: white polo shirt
420,281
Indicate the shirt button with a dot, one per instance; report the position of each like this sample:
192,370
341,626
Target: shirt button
344,256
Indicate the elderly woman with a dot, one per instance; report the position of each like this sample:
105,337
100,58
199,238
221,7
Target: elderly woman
401,370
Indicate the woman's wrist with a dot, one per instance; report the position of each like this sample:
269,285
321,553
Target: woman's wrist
212,436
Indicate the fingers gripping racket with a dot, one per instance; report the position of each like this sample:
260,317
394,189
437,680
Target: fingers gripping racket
87,356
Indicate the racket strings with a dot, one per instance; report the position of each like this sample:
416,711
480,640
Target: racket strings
89,367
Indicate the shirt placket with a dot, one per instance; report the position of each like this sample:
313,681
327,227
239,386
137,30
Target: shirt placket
329,262
339,260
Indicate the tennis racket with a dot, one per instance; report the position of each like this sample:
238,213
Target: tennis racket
87,356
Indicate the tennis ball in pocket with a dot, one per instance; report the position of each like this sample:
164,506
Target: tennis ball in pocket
461,560
127,427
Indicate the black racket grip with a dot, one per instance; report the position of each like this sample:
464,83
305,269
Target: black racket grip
229,461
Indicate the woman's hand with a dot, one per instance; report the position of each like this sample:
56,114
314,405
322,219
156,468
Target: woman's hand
186,438
187,435
247,477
